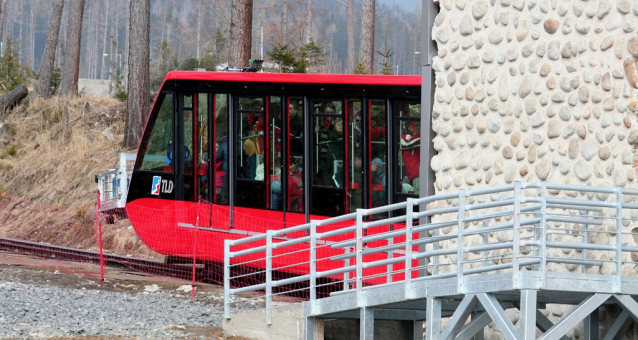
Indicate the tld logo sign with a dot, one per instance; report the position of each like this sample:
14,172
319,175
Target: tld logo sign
164,186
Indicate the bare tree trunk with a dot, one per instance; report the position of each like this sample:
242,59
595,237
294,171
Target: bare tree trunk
13,98
308,23
199,26
71,72
138,102
31,40
284,20
106,26
351,54
241,32
366,47
3,10
48,59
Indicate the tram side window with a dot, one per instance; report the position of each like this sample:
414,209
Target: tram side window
296,160
154,147
378,160
409,148
328,143
251,132
221,149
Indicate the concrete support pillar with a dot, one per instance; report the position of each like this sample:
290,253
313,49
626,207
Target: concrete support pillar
314,329
366,325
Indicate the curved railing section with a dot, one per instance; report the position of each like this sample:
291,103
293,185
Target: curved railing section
528,233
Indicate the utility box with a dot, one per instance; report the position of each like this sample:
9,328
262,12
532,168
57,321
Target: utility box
113,183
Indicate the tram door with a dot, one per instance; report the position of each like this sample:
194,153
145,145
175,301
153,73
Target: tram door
258,131
329,157
191,161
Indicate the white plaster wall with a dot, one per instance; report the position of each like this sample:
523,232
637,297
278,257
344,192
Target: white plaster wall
536,90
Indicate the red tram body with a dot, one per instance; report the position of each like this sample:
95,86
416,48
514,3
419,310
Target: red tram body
224,155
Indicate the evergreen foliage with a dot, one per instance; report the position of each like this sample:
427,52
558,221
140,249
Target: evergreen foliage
310,56
12,73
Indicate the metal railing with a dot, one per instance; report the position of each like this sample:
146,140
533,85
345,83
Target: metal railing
519,228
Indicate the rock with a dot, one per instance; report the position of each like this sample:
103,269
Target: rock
545,69
462,160
632,46
604,152
551,26
537,120
503,87
460,61
613,22
608,104
530,105
565,113
541,49
442,35
574,148
451,78
523,29
542,169
479,9
488,56
507,152
469,94
607,43
589,150
565,84
526,87
627,122
583,94
496,36
631,71
606,82
623,6
460,4
524,170
604,7
551,83
566,51
473,61
554,128
582,26
582,170
465,27
581,131
568,26
515,139
553,50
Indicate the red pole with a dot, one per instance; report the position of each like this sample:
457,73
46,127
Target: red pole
195,249
98,215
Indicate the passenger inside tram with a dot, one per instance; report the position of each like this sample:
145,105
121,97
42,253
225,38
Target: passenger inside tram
411,156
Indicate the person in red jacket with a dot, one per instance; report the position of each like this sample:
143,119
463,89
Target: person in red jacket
295,188
411,153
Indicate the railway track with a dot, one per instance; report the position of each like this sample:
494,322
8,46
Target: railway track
174,267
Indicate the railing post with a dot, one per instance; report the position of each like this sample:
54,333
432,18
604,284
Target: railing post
618,239
460,243
346,275
585,232
269,276
359,257
313,266
486,239
408,248
516,235
227,279
543,235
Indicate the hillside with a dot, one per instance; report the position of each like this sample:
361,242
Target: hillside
48,162
52,158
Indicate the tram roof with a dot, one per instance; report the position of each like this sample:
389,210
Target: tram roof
297,78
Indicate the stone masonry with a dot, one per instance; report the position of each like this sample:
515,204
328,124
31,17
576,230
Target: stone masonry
537,90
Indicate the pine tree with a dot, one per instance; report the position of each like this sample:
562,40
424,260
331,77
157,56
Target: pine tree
12,73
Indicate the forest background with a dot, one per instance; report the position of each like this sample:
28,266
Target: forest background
192,34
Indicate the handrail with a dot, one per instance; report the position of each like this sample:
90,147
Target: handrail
502,234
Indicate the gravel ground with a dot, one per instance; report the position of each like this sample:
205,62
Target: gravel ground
39,303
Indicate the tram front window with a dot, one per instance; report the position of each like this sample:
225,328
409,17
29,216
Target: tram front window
408,149
155,146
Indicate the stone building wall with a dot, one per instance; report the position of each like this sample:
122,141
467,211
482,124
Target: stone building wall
536,90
